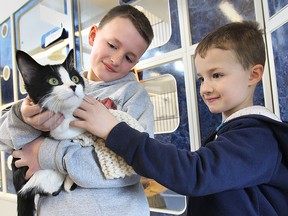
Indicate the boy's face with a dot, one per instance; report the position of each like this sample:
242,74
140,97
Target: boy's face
225,86
117,47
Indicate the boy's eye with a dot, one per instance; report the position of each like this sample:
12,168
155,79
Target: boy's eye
200,79
128,59
53,81
75,79
216,75
111,45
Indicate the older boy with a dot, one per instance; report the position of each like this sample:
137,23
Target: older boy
114,52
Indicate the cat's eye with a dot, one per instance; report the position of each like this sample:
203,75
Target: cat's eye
75,79
53,81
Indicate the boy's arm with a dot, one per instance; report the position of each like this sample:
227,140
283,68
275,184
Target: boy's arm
14,132
227,162
69,158
80,163
25,122
5,138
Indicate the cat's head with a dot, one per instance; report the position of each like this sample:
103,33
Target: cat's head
59,88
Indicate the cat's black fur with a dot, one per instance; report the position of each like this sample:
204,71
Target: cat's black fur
41,83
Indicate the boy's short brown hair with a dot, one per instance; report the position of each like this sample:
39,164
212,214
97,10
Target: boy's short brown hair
244,38
138,19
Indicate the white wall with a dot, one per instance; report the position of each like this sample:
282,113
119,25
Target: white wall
8,204
8,7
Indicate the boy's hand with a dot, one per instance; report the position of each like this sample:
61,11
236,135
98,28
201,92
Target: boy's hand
28,156
43,121
94,117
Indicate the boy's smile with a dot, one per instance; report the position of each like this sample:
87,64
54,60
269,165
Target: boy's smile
225,86
109,68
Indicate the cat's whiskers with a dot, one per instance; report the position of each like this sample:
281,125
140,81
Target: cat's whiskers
42,102
56,102
54,106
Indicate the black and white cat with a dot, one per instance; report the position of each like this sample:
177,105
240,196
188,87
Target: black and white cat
58,88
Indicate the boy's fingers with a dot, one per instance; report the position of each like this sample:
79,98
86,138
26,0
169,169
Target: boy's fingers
77,123
80,114
15,154
19,163
89,99
28,174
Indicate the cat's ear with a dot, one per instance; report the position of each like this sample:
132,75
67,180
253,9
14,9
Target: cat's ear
69,61
27,65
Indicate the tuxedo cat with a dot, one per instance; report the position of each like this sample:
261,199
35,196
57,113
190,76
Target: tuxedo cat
60,89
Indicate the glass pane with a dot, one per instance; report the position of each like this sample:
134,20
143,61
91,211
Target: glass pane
6,159
9,174
163,94
175,39
91,12
180,137
276,5
161,199
44,39
205,16
42,30
280,47
6,74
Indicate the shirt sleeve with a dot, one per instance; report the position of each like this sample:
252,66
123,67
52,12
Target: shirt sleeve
238,158
14,132
140,107
80,163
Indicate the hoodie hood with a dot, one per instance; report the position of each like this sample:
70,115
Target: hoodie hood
254,110
279,128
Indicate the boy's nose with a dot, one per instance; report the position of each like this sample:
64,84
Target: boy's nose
205,87
115,59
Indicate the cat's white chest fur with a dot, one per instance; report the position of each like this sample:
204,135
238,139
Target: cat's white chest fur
64,130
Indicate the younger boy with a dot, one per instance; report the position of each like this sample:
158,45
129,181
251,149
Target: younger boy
242,168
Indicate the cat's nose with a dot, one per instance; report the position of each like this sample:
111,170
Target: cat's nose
73,87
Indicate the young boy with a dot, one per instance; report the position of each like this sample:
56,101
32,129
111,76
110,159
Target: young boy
242,168
115,51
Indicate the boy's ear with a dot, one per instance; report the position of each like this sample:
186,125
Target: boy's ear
92,35
256,74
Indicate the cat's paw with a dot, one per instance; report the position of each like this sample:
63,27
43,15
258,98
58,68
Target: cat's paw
69,185
56,192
